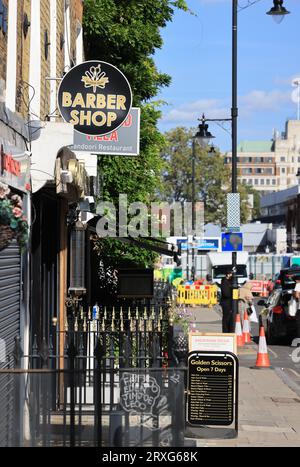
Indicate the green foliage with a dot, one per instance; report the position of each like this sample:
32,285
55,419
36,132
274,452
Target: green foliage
11,215
115,254
126,33
213,178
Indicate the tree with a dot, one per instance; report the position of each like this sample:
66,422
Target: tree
126,33
212,176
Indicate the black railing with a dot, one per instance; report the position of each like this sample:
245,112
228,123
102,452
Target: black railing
132,407
110,379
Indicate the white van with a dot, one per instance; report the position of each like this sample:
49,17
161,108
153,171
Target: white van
219,263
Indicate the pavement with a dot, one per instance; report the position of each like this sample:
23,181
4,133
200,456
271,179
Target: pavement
269,399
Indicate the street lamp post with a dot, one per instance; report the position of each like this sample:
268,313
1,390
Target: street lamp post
193,204
203,136
234,120
278,12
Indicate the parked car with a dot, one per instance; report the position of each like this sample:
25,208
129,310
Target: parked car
285,278
279,323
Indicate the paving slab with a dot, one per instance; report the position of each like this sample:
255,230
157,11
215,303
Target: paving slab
269,410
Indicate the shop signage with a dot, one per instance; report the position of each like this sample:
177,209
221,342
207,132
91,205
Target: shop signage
125,141
212,342
15,167
212,388
95,97
210,244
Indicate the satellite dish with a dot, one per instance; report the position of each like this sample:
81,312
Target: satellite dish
296,82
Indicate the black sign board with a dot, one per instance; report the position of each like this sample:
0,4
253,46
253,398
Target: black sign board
138,283
95,97
212,388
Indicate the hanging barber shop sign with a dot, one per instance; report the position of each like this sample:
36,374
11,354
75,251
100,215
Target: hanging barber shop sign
95,97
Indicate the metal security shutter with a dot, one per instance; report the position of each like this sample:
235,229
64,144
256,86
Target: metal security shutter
10,295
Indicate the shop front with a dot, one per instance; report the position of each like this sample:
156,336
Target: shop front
14,279
56,209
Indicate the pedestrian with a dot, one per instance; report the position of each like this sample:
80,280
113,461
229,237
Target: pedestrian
208,279
296,295
245,300
228,320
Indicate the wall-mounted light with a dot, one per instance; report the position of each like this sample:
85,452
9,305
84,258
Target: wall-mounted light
47,44
26,25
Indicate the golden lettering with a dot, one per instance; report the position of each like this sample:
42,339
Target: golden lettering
111,117
78,101
67,99
99,122
90,101
111,101
101,101
121,102
75,120
85,118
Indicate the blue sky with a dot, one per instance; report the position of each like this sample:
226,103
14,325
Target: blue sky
197,54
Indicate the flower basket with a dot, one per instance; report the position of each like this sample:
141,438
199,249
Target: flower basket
6,236
13,224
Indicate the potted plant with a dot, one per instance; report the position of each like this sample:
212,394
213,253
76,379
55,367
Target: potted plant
13,224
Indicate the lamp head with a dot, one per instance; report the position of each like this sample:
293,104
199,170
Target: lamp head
203,135
278,11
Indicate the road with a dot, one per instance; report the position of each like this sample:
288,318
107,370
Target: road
285,359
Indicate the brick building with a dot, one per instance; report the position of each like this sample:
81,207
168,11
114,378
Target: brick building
40,40
271,165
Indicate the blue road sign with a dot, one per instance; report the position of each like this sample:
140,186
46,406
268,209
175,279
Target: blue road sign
232,241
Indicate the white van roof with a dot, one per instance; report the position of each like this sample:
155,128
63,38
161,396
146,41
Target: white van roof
218,259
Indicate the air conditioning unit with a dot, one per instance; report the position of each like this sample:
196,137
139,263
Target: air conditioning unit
77,260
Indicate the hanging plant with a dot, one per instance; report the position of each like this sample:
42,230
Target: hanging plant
13,224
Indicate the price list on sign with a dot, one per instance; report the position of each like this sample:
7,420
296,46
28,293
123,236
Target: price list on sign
211,389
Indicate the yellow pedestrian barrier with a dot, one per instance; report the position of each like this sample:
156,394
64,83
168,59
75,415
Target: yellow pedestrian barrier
205,295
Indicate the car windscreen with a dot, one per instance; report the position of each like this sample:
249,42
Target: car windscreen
220,271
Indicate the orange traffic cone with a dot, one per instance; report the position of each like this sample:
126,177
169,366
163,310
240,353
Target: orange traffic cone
262,360
238,331
246,329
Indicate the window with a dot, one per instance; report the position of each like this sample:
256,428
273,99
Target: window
262,181
283,170
256,181
299,160
282,159
274,181
246,171
250,181
268,181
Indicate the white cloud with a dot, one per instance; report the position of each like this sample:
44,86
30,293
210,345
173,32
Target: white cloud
255,101
264,100
191,111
